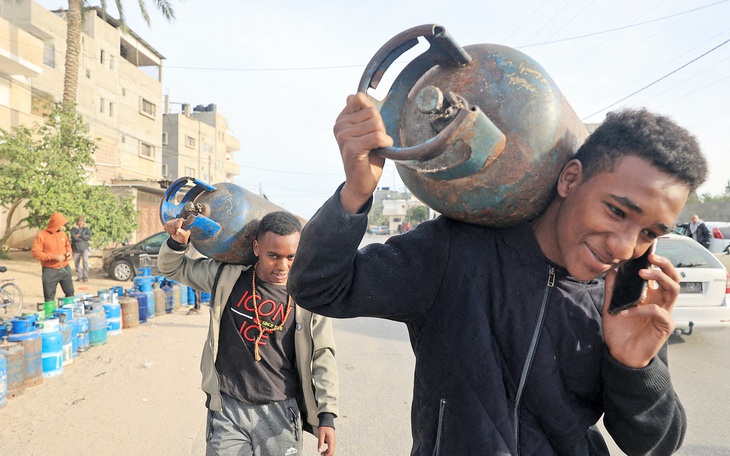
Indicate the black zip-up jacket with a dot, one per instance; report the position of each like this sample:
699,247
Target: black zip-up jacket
80,238
492,324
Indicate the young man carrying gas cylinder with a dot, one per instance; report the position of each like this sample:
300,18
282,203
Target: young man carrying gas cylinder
516,352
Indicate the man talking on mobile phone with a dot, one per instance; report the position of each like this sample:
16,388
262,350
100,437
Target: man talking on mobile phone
516,353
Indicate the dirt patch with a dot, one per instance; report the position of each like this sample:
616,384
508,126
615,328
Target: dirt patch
139,393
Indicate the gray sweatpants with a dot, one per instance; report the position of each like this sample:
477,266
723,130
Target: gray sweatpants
81,261
254,430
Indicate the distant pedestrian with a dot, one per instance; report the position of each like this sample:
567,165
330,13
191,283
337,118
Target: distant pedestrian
52,248
80,235
698,231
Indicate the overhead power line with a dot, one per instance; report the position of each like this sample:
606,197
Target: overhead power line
340,67
660,79
620,28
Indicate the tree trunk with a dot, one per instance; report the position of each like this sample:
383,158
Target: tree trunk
9,230
73,48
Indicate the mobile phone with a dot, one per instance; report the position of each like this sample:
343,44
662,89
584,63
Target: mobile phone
629,288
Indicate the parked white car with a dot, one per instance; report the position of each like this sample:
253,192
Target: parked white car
704,299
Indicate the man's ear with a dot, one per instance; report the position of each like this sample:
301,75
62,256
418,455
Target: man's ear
570,177
256,247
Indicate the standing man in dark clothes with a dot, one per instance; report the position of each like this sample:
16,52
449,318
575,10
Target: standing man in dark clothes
80,235
516,353
52,248
698,231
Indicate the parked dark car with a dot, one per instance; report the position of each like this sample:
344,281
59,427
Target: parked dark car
122,263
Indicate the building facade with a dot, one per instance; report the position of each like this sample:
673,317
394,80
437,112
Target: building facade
198,144
119,97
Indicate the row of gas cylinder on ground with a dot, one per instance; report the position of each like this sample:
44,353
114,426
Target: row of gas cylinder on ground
39,345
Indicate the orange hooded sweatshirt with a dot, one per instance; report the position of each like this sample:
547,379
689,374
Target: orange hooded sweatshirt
52,242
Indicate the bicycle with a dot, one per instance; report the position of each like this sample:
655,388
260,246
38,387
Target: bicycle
11,296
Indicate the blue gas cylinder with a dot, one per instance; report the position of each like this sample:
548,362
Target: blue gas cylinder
67,330
142,302
31,320
191,297
97,324
113,313
52,348
118,290
3,381
205,298
24,332
150,303
15,358
169,297
184,295
82,333
144,279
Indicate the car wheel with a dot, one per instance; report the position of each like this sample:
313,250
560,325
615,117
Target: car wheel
122,270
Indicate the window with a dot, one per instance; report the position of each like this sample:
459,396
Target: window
111,62
189,171
49,54
164,170
149,108
124,91
101,105
164,138
88,74
146,150
190,141
111,109
102,57
124,139
207,148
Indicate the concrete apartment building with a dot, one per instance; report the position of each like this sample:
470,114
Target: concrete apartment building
396,206
21,59
198,144
119,97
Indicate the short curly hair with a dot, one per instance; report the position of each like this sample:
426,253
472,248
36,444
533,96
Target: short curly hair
652,137
282,223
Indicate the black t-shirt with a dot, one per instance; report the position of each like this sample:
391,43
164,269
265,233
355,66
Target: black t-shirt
274,377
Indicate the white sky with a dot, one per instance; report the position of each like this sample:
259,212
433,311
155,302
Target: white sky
280,71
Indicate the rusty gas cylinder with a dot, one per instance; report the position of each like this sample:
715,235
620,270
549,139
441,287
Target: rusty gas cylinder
480,133
222,218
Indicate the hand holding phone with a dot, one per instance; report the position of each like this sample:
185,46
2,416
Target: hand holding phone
629,288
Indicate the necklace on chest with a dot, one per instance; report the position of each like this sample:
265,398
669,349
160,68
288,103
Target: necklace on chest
264,326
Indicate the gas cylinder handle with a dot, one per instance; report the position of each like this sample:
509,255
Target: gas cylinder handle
443,50
168,209
441,44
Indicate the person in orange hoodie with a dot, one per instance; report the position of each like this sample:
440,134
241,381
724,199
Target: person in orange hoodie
53,249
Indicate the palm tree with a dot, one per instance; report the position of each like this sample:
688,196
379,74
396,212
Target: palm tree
73,39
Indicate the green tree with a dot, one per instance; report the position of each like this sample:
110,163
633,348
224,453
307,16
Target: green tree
417,214
44,168
376,217
73,38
